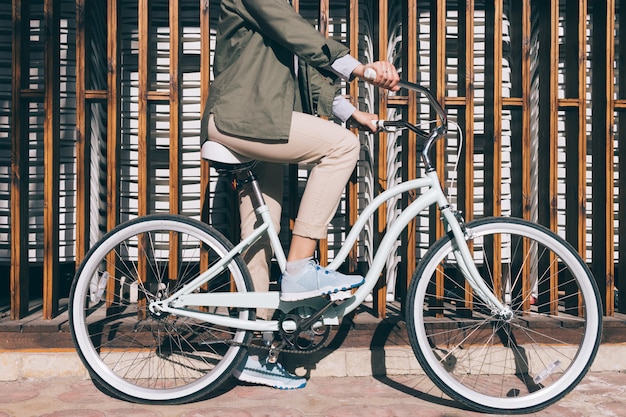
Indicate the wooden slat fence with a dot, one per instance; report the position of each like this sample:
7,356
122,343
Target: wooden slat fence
533,85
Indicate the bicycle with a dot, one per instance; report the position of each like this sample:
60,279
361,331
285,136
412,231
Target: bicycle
162,308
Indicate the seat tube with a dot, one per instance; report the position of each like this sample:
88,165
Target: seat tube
262,210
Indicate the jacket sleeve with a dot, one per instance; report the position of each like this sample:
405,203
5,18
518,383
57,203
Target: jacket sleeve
277,20
323,92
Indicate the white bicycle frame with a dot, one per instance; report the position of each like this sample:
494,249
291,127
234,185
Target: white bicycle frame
431,193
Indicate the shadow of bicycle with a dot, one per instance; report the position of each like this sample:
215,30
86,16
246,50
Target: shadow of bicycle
387,335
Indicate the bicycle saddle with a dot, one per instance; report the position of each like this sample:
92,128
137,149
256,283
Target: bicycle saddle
217,152
223,158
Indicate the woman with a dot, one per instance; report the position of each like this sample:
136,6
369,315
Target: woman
274,74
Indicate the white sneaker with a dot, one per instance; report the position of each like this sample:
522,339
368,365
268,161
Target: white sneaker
314,281
260,371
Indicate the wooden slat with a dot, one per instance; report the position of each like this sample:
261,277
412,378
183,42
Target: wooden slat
438,87
175,100
113,113
51,159
33,95
143,135
438,79
461,100
324,18
113,130
352,191
380,292
19,165
512,102
83,135
95,95
143,138
397,101
152,95
620,104
574,103
409,147
176,117
205,80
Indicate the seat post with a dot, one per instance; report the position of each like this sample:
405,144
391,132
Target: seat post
249,178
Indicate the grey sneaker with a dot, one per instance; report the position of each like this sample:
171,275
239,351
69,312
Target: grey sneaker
314,281
260,371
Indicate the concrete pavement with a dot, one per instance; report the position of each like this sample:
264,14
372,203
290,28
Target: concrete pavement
599,394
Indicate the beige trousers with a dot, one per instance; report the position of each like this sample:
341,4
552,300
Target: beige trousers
332,149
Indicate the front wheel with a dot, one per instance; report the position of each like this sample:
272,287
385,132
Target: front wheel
497,364
144,356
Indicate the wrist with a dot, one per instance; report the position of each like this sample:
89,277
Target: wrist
359,71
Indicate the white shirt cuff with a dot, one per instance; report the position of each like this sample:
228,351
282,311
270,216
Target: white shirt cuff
342,108
344,66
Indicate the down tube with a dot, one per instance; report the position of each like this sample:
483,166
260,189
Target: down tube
425,200
372,207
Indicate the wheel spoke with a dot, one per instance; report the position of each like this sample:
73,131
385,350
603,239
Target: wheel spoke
504,364
144,356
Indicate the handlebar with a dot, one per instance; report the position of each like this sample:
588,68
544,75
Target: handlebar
434,103
436,133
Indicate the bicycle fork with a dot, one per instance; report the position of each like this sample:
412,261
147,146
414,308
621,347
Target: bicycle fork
455,225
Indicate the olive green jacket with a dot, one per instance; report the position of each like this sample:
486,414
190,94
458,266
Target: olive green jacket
255,88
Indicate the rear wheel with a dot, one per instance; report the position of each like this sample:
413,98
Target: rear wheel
147,357
496,364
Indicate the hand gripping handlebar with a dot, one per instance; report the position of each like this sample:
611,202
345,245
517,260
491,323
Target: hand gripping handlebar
437,131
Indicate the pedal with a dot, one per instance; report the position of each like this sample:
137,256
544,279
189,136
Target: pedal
274,351
340,295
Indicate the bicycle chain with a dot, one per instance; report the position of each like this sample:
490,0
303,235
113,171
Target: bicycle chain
277,349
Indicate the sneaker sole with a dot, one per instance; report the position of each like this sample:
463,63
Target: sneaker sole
297,296
260,380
